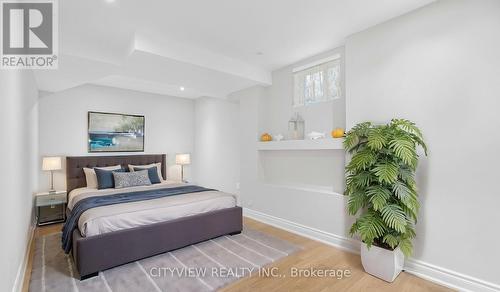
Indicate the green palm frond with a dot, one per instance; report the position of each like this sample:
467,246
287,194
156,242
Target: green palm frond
406,194
381,183
407,175
401,190
408,198
354,228
404,148
408,126
410,231
376,139
378,196
412,204
371,226
363,179
391,239
362,129
394,217
406,247
349,178
386,171
356,201
351,140
414,132
411,211
420,142
362,161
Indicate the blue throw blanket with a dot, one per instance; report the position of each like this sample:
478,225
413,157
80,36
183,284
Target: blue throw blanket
93,202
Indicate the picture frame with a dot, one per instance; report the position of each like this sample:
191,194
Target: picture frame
115,132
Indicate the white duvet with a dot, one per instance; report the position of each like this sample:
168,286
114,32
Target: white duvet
104,219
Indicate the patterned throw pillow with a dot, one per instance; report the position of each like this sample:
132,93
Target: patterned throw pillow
152,172
131,179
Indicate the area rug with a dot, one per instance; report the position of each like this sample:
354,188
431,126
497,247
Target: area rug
205,266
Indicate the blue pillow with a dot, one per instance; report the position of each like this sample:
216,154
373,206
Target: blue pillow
105,178
152,173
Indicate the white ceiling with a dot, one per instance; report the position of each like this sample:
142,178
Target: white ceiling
211,48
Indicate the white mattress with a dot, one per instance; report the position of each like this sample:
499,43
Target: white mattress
104,219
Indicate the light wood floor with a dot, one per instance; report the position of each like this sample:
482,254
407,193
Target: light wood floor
39,232
314,255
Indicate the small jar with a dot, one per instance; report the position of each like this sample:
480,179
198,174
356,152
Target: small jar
296,127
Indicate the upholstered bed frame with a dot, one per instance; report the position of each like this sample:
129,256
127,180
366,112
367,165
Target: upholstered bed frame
97,253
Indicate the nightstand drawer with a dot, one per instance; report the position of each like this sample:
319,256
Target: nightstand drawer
52,199
51,214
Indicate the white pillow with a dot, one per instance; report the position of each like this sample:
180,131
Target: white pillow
158,168
91,177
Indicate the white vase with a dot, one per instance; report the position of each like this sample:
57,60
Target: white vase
382,263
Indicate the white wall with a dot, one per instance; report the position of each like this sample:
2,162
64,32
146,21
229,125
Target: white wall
63,123
18,113
216,150
440,67
248,125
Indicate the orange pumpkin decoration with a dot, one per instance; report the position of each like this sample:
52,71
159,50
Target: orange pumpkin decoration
338,133
266,137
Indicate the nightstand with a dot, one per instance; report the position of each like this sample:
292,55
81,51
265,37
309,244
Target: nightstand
50,207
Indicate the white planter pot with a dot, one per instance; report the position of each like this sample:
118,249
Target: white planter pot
382,263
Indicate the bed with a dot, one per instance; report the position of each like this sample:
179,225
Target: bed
110,236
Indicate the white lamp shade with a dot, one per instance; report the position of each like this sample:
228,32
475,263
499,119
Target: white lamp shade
52,163
183,159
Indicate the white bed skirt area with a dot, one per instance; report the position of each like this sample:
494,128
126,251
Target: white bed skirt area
111,218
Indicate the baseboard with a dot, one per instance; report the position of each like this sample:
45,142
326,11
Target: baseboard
418,268
448,278
341,242
21,271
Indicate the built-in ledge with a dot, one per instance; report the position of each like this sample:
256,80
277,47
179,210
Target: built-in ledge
319,144
305,188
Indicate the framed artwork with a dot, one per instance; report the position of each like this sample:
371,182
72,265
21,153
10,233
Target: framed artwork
111,132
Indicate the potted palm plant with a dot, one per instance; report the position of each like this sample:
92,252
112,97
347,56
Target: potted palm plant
382,192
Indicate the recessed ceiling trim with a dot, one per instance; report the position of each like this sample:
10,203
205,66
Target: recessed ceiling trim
203,58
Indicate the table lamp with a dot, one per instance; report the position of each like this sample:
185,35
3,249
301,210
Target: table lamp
182,159
51,164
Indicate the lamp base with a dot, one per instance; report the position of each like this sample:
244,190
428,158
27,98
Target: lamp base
52,189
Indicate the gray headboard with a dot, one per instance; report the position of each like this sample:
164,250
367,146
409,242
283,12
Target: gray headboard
75,177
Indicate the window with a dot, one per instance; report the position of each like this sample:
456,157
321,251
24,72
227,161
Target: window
317,82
